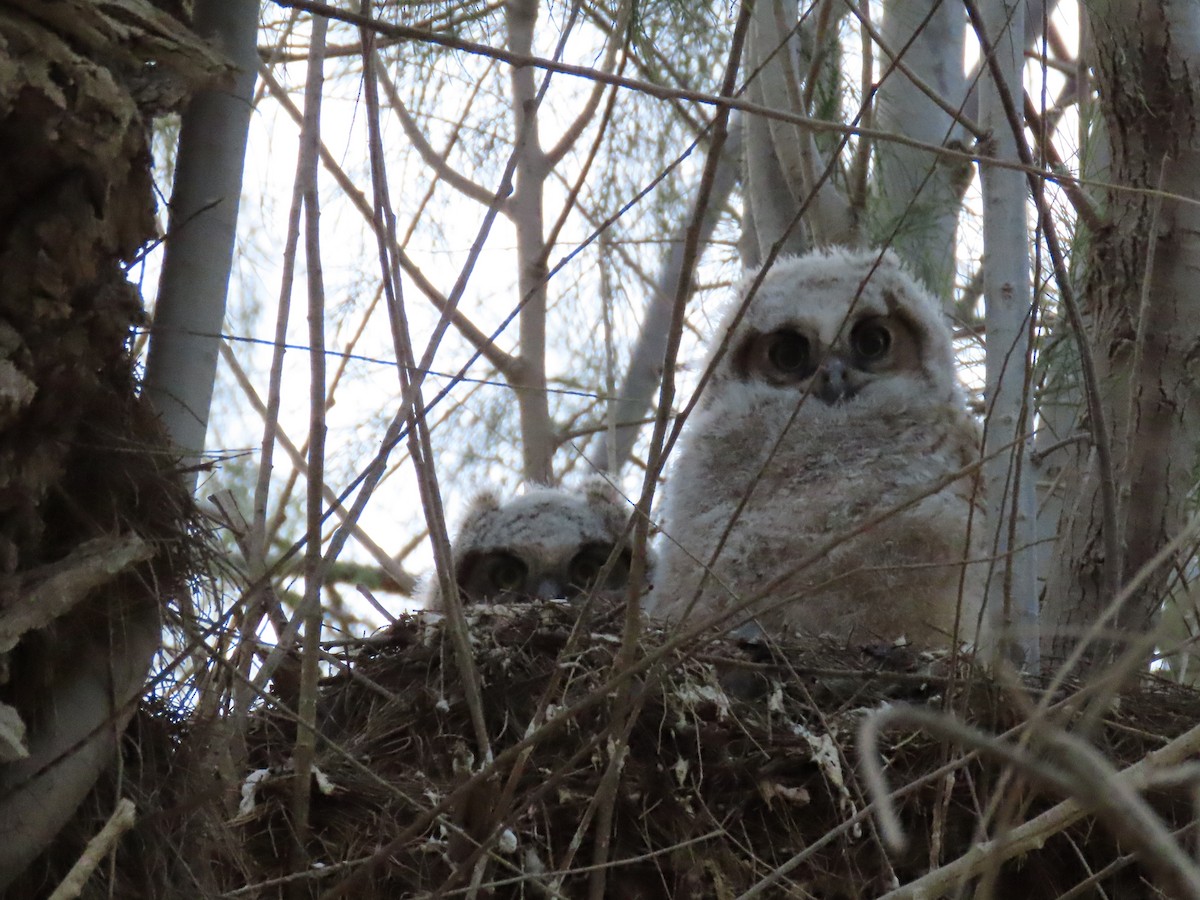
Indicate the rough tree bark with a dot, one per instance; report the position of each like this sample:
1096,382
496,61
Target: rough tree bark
1140,291
91,507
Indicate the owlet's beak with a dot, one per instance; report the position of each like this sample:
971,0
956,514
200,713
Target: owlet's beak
832,386
550,589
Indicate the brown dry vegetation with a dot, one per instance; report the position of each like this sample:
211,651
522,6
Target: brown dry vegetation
741,760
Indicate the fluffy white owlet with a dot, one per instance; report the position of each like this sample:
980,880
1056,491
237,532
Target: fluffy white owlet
545,544
835,401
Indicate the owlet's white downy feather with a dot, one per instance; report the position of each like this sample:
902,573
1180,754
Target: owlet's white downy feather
546,544
835,402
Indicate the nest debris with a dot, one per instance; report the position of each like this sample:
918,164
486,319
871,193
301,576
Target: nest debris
740,760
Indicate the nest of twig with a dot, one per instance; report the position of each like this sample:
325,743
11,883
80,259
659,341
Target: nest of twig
741,769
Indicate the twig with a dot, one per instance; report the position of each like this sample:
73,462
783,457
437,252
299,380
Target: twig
631,630
419,447
436,161
955,112
664,92
571,133
1186,534
1101,436
1084,208
658,657
502,361
310,611
944,727
405,581
451,19
355,762
97,848
820,40
1033,834
858,181
593,151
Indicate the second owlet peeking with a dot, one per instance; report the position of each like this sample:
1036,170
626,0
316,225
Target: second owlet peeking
835,401
546,544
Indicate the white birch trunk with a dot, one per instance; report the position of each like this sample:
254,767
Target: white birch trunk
918,196
1012,585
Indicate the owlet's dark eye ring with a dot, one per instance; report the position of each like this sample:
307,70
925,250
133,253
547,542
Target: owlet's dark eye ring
587,564
871,340
506,573
584,569
788,352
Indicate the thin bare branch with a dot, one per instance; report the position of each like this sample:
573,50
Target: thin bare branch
418,431
571,134
628,409
431,157
954,111
122,819
448,19
502,361
1098,418
310,610
664,92
1033,834
405,582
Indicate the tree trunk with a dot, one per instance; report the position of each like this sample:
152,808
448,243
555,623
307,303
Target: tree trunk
182,364
771,198
919,195
525,207
644,372
1012,585
87,476
1141,276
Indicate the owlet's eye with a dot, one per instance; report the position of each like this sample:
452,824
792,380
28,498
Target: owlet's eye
789,354
506,573
585,567
870,340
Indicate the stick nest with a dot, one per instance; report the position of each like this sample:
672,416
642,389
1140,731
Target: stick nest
740,759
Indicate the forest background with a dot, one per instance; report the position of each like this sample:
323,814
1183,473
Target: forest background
484,244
